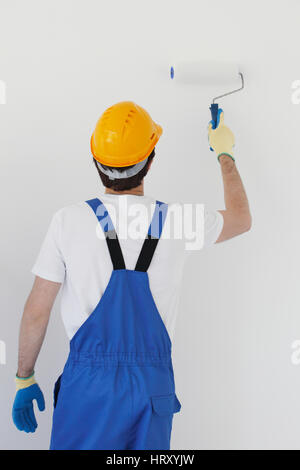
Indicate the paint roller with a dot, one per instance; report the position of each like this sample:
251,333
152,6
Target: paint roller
209,73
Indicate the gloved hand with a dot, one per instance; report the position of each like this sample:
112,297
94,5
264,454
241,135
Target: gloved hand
22,412
221,139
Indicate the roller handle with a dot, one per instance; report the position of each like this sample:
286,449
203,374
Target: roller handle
214,108
215,116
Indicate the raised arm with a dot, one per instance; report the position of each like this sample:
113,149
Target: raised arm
237,217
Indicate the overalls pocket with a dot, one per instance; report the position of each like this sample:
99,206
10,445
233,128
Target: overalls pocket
165,405
163,408
56,391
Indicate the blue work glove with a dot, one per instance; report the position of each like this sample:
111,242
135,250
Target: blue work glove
22,412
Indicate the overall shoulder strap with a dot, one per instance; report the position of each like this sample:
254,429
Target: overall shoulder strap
154,233
110,233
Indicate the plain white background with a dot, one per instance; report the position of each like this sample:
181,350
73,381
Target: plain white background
64,62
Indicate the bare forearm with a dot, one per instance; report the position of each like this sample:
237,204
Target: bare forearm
32,333
237,214
234,191
34,324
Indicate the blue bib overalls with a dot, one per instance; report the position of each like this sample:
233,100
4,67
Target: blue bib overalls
117,389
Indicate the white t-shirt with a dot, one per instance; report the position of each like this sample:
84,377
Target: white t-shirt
75,253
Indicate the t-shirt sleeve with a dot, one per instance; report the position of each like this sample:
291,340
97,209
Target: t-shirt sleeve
213,225
50,262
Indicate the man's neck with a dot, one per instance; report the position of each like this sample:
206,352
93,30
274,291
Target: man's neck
138,191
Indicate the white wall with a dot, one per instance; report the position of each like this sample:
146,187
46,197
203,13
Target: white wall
64,62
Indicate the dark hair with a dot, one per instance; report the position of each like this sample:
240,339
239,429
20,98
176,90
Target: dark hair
126,183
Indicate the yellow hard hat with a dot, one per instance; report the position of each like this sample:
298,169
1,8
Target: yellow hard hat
125,135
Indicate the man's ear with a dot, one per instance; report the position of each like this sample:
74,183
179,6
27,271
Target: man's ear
150,163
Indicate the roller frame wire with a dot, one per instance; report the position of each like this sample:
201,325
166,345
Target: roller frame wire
231,92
